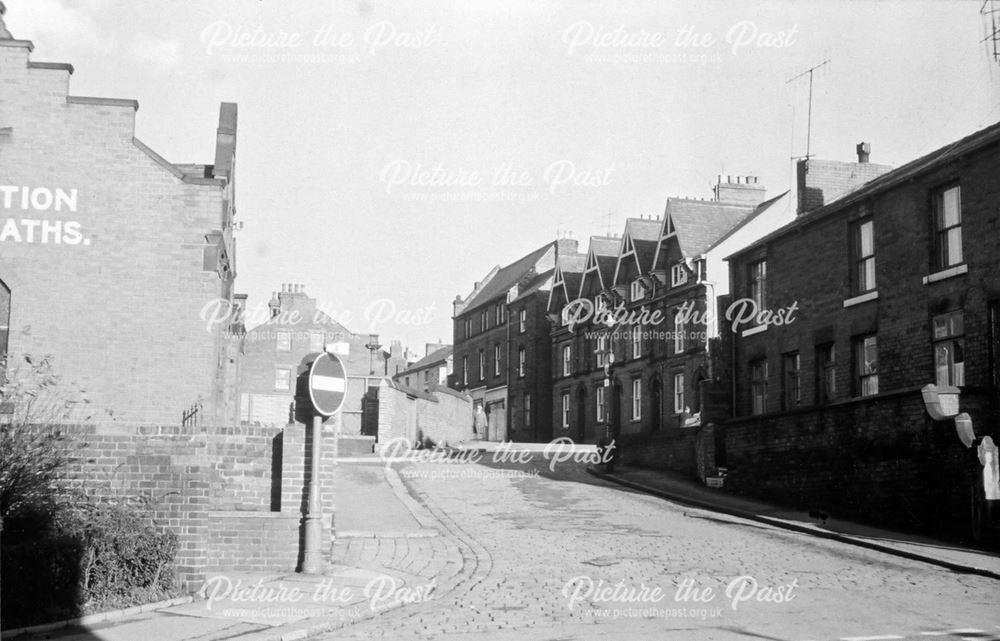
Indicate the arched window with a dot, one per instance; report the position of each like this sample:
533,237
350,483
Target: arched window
4,320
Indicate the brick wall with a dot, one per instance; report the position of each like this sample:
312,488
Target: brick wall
880,457
537,381
249,542
820,182
670,449
115,289
884,462
234,496
266,409
296,455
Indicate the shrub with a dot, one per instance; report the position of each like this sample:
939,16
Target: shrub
126,561
62,555
33,450
90,559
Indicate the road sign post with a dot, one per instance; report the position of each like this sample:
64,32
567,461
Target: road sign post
327,384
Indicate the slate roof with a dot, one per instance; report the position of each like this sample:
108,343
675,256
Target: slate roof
605,250
645,236
506,278
437,356
571,267
701,223
535,284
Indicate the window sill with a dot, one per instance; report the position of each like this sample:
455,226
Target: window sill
951,272
754,330
862,298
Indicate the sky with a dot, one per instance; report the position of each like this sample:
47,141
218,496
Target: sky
389,154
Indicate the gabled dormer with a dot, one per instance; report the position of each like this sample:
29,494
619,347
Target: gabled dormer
690,228
565,283
635,259
599,268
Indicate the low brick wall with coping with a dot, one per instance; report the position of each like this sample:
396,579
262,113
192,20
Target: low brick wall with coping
881,460
234,496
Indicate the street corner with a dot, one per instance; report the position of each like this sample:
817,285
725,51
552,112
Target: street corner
338,594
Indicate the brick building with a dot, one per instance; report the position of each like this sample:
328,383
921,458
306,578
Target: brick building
502,341
274,350
108,252
120,265
430,371
655,286
893,285
568,364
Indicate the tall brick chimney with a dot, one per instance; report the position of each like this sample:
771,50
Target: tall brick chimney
567,246
225,141
293,296
820,182
744,191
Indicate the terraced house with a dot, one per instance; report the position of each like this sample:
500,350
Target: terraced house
580,398
895,279
634,351
502,345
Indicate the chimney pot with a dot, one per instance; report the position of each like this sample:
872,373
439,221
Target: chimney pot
864,150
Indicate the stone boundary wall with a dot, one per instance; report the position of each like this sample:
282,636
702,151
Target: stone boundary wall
441,415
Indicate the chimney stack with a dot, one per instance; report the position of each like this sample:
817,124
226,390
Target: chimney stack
864,151
567,246
744,191
820,182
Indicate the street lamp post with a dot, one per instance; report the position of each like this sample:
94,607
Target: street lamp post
372,346
612,410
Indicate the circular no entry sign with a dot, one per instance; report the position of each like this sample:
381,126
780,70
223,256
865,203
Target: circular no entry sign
327,384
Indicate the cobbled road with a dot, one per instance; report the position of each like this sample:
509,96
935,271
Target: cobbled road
529,552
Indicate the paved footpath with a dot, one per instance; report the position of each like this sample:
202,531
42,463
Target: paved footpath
393,555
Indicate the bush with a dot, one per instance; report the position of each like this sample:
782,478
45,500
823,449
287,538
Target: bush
91,559
33,450
63,556
126,562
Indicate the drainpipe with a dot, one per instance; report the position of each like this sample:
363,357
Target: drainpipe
715,323
510,413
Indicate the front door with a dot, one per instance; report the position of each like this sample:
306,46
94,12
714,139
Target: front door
369,413
497,421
